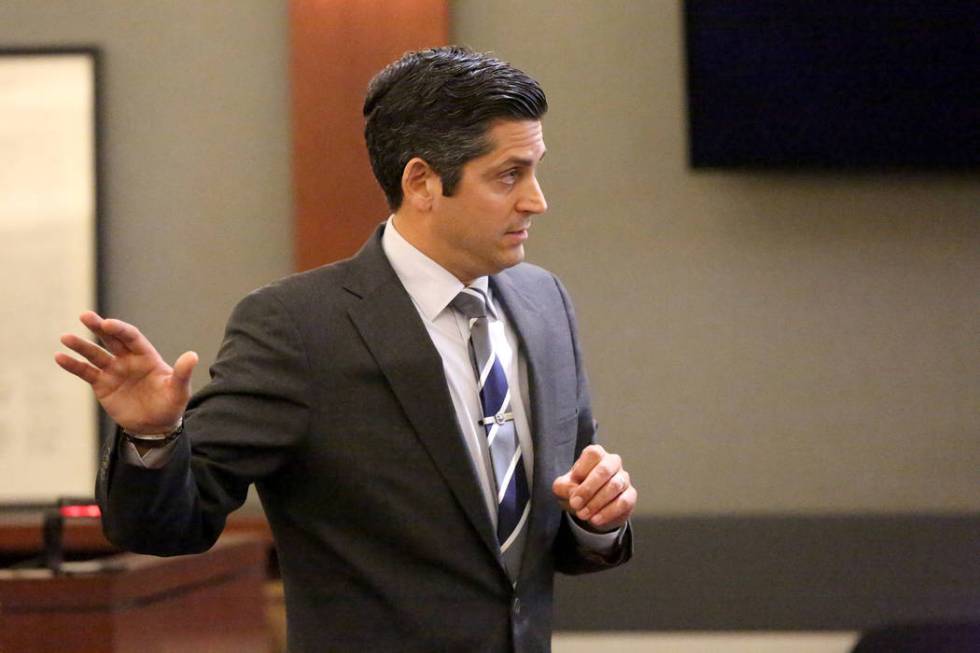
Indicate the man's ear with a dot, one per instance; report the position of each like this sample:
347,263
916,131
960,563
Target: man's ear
420,184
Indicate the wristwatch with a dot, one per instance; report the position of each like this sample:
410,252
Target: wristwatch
155,440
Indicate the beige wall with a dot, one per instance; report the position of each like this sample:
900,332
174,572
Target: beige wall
758,342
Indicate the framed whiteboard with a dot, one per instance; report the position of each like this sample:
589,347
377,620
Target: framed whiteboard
49,252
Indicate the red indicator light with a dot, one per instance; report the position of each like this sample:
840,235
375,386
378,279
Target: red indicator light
80,511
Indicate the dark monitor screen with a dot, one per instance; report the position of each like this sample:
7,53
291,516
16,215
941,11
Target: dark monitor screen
833,83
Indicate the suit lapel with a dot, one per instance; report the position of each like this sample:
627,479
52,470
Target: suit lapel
394,333
533,332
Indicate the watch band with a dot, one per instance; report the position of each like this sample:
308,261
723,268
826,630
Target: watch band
153,441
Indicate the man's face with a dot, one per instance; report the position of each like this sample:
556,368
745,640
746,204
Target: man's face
481,229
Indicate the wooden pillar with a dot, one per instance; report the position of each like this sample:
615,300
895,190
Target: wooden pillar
336,47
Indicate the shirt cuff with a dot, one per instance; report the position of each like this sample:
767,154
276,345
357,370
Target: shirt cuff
601,543
152,459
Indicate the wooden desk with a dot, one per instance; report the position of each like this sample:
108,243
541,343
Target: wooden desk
20,533
208,602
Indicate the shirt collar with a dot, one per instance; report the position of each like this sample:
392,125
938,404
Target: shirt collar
431,286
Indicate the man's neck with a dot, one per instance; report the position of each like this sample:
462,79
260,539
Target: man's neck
413,229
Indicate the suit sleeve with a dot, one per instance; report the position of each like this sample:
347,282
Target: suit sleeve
240,428
570,556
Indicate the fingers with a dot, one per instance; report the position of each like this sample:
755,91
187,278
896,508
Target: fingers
119,337
123,341
594,467
617,512
98,358
94,322
128,335
81,369
597,489
566,485
587,460
94,354
616,485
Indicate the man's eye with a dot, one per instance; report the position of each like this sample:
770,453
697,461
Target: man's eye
510,176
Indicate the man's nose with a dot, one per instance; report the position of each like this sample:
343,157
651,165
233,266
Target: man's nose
533,200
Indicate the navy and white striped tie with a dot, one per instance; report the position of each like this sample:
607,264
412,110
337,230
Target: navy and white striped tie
513,495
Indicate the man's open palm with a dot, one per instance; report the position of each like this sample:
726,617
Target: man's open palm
134,385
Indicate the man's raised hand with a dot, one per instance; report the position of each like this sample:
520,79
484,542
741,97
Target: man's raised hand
135,386
597,490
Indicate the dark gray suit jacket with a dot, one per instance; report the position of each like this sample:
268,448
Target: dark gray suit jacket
329,395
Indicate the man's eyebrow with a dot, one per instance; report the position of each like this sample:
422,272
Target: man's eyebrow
520,161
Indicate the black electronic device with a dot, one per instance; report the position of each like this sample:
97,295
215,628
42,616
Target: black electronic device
838,84
54,526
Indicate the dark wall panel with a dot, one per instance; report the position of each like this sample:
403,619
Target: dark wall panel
783,573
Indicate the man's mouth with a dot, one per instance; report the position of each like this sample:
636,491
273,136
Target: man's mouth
519,235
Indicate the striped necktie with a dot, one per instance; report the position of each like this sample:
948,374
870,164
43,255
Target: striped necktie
513,495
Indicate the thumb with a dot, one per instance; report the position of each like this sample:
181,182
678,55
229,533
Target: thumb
563,486
184,367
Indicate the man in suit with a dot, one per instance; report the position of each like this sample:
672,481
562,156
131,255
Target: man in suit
416,419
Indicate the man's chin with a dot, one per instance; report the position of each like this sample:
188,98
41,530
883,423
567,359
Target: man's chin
513,256
506,258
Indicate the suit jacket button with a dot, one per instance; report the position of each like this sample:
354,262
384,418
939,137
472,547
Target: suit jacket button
516,606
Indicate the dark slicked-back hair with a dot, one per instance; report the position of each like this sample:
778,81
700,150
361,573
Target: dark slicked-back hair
438,105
